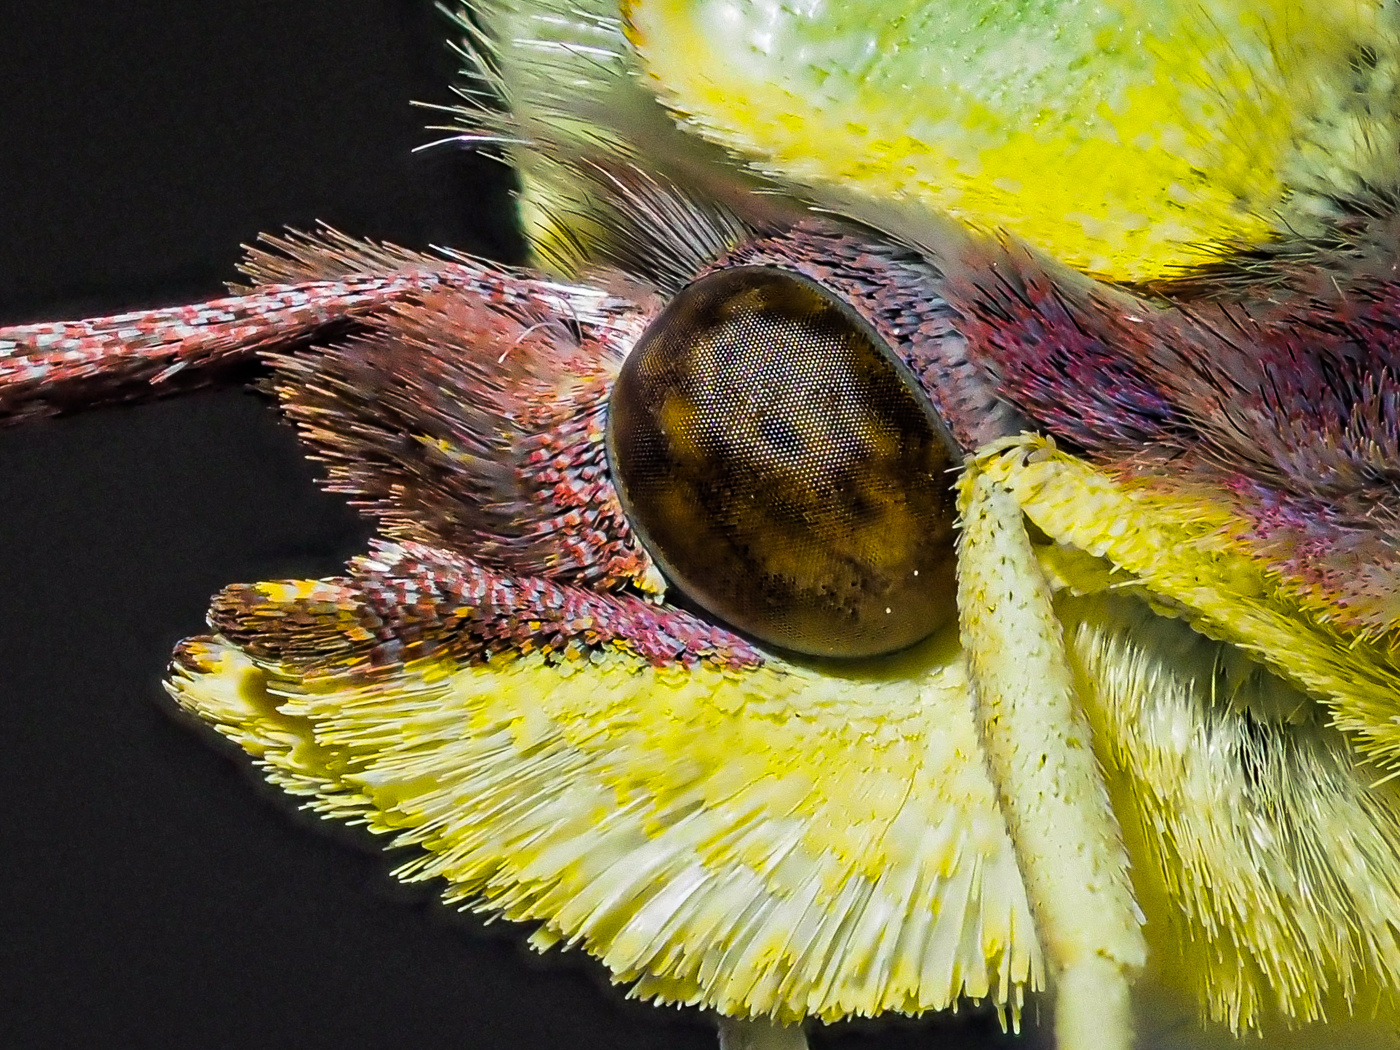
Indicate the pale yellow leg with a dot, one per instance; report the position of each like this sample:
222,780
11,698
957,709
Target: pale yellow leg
1038,748
735,1034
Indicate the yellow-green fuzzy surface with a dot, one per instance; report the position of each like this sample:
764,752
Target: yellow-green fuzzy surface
782,842
1126,138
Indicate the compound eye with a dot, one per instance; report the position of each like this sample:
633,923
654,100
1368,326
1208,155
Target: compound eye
784,469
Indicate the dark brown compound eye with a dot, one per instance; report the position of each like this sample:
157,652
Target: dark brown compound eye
784,469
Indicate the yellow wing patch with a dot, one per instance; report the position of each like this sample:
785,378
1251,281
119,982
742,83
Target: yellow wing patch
781,843
1129,138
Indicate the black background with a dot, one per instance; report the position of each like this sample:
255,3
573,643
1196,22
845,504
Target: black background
152,892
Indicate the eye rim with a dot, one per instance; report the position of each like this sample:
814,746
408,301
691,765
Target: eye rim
908,382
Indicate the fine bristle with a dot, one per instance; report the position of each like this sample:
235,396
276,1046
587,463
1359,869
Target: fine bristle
771,842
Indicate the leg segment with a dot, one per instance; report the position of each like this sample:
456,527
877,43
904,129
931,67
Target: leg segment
735,1034
1038,748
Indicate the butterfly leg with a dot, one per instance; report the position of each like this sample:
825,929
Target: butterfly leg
1038,748
737,1034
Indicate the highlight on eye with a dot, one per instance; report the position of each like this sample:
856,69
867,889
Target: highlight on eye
784,469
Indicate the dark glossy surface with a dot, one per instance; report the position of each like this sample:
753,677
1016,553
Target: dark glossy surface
786,474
